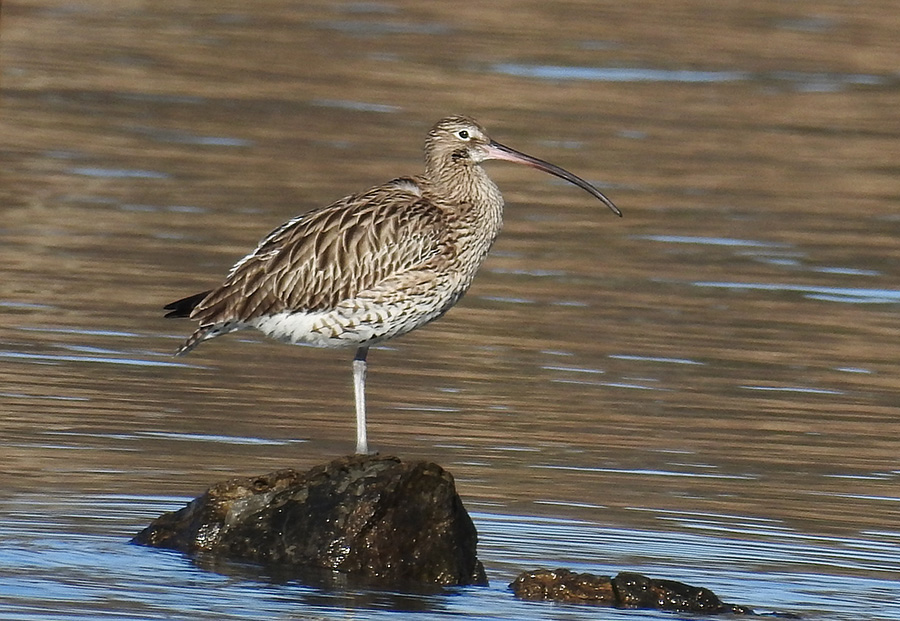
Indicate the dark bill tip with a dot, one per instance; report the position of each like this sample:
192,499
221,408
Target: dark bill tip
497,151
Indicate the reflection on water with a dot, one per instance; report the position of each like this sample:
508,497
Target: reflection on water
704,390
98,574
800,80
852,295
712,241
118,173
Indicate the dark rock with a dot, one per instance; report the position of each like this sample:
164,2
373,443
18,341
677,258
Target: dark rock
368,516
563,585
638,591
626,590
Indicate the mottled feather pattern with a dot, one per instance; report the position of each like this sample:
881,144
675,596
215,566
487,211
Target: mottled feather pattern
327,255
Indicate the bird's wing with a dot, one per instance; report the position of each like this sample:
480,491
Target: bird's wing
327,255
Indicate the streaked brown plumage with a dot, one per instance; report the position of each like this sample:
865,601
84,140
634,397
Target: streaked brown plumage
375,265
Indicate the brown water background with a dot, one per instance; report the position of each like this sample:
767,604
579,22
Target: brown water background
720,363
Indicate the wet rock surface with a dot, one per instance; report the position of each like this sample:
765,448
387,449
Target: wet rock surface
379,521
374,517
626,590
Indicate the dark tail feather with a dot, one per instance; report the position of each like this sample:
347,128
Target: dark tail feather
184,306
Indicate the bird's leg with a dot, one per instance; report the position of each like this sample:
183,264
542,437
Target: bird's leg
359,390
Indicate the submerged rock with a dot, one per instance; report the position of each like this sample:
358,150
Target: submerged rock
626,590
370,516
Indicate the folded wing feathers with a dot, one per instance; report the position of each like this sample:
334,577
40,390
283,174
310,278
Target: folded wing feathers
327,255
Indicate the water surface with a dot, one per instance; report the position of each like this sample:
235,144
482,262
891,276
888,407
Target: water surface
704,390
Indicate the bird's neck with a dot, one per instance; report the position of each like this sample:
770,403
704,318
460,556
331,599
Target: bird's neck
475,205
466,185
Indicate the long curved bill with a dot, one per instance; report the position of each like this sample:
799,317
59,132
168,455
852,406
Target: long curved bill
497,151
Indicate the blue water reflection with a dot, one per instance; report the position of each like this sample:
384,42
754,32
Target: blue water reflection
68,558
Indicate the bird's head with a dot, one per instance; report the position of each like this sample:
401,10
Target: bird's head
459,143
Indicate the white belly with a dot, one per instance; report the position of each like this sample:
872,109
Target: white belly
343,327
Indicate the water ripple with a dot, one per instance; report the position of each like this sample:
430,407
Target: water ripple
118,173
712,241
654,359
855,295
216,438
803,80
617,74
18,355
648,472
361,106
798,389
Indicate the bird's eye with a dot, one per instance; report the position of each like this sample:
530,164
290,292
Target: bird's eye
462,134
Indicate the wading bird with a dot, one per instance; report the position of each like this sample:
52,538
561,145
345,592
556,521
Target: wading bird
374,265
